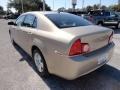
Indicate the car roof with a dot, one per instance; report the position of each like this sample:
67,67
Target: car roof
43,12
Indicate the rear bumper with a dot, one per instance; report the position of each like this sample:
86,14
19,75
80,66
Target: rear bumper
74,67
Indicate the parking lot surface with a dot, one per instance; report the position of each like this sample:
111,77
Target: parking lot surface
17,70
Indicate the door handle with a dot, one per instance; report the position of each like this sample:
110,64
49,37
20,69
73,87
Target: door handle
29,32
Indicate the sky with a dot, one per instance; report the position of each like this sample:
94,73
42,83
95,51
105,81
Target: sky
67,3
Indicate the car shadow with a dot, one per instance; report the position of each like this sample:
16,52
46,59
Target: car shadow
105,78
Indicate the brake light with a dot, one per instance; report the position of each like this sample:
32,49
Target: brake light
79,48
110,38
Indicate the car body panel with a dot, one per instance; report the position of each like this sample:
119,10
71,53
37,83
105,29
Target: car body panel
55,43
96,36
74,67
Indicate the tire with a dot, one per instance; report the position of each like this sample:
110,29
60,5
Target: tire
40,63
100,23
117,26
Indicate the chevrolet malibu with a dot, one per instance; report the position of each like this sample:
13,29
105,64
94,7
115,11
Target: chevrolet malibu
62,44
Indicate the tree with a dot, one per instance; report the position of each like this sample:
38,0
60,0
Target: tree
1,10
29,5
89,8
115,7
104,7
61,9
96,6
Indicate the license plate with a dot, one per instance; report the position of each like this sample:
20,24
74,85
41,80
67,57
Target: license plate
102,59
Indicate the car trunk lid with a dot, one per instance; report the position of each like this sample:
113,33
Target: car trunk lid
96,36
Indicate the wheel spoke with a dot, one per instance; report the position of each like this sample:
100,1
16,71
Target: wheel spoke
38,62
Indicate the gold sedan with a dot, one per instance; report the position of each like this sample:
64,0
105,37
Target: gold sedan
62,44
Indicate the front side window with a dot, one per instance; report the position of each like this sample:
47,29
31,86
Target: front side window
29,21
64,20
20,20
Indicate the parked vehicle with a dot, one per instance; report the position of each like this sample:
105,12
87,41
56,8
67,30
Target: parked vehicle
104,18
118,15
62,44
11,16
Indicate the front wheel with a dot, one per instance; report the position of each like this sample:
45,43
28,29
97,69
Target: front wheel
100,23
40,63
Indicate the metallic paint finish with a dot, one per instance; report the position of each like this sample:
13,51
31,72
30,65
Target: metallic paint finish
55,44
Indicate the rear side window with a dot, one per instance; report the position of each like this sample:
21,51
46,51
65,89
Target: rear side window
20,20
65,20
29,21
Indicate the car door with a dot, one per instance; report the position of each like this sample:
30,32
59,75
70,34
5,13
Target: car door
17,29
29,25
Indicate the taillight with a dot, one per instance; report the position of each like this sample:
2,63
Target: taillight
85,48
110,38
79,48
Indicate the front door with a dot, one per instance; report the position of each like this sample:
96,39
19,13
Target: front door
17,29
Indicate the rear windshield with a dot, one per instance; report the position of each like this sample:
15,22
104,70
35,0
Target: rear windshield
64,20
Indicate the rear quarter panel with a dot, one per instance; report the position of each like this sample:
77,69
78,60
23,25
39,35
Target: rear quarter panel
51,44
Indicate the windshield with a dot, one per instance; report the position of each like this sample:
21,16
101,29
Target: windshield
65,20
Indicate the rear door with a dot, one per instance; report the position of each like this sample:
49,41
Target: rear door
29,25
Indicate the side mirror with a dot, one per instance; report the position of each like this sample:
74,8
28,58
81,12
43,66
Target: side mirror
11,23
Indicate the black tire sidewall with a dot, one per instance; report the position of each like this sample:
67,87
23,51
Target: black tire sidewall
45,70
117,26
100,23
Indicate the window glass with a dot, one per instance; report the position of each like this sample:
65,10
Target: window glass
95,13
28,22
20,20
106,13
64,20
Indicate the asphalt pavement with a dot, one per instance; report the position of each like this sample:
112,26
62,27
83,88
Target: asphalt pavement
17,70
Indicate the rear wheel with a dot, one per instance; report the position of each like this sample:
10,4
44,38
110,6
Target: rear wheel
40,63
